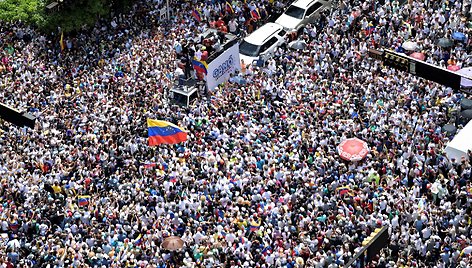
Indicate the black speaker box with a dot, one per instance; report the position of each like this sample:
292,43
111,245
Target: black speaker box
16,117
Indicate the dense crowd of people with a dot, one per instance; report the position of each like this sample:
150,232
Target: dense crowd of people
258,182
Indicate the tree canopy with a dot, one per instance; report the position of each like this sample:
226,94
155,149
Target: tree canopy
69,15
21,10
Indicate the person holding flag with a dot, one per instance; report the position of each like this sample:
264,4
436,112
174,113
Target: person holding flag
200,67
369,29
255,14
197,15
83,200
229,7
254,225
61,42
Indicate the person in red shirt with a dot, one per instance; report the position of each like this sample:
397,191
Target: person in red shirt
220,23
223,29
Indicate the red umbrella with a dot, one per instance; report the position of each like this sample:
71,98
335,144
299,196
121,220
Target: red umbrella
353,149
453,68
418,55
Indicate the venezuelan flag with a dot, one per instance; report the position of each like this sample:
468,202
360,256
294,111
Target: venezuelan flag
162,132
150,165
370,29
61,42
255,14
266,250
254,226
139,240
197,15
344,190
229,7
83,200
200,66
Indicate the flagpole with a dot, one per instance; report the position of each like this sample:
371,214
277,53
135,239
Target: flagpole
167,9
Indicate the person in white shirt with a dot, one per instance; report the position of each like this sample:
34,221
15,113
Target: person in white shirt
179,72
233,26
199,236
198,54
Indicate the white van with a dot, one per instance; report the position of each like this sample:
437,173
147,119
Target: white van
261,44
302,12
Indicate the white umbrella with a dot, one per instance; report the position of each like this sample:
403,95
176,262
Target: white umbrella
297,45
467,83
410,46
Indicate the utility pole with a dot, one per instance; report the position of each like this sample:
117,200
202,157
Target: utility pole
168,9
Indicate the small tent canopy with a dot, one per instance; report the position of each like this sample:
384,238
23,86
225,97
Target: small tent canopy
461,143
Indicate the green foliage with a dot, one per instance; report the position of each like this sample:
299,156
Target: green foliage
21,10
70,14
77,14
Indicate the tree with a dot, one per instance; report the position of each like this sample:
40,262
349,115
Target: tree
21,10
70,15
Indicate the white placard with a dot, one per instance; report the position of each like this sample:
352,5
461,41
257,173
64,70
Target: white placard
219,69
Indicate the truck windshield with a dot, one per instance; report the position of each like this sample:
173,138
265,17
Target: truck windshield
248,49
296,12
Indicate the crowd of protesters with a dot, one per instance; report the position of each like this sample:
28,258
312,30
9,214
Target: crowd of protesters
257,183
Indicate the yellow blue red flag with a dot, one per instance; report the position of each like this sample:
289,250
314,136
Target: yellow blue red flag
162,132
229,7
255,14
197,15
83,200
200,66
